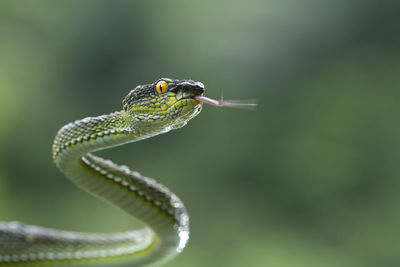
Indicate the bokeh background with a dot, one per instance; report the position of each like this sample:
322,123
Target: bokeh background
311,178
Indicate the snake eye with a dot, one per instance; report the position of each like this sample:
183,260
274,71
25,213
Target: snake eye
162,87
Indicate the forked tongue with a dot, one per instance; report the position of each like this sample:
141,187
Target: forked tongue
250,104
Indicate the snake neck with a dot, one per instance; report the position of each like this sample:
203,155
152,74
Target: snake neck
95,133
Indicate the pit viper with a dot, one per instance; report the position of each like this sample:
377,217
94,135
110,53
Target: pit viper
148,110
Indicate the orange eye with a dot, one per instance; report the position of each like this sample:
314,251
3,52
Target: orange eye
162,87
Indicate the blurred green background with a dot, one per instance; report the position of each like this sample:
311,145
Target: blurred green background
311,178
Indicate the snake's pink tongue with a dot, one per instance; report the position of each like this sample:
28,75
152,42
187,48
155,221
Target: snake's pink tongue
242,104
208,101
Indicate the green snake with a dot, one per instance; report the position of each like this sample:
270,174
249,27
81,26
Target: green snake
148,110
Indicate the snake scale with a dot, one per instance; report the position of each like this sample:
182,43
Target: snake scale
148,110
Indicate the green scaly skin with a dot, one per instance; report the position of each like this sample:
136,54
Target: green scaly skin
146,113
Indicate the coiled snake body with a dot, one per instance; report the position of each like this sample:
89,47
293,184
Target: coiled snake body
148,110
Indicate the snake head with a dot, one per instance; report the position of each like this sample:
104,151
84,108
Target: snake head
166,101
